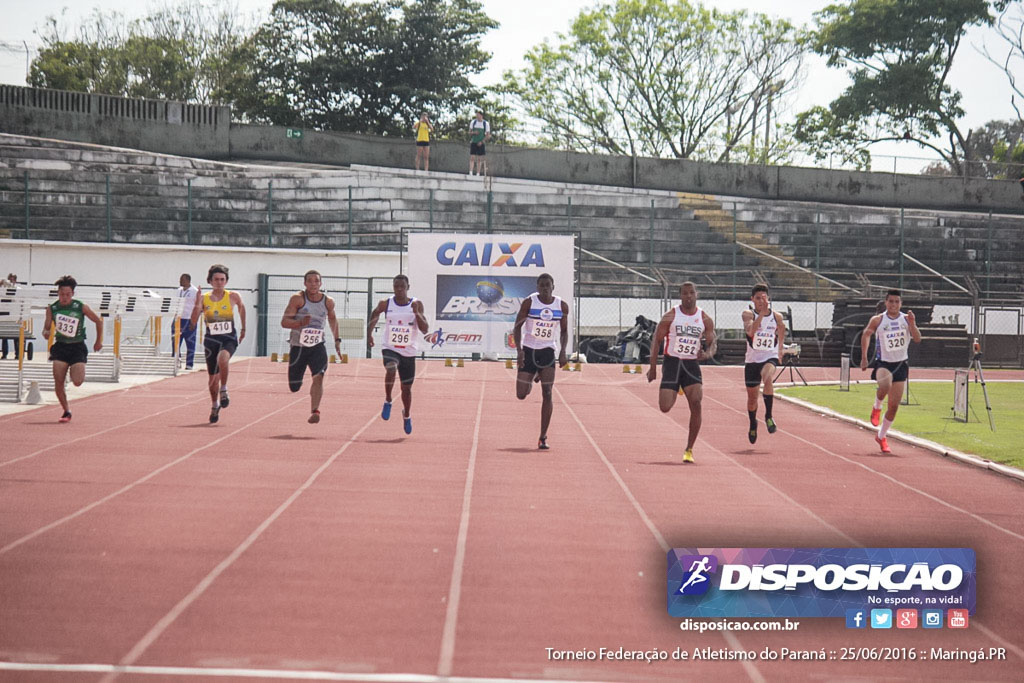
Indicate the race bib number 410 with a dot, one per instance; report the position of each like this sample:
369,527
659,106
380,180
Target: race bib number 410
221,327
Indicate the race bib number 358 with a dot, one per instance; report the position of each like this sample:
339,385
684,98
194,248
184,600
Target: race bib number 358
544,330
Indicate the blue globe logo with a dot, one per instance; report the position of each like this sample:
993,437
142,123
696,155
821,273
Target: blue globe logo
490,291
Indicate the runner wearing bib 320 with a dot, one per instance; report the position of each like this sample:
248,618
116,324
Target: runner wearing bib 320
308,315
894,331
541,330
222,337
405,323
765,331
687,335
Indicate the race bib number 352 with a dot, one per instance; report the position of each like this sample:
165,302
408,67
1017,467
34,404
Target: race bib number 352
686,347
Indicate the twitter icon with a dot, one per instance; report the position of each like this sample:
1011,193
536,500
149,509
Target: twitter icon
881,618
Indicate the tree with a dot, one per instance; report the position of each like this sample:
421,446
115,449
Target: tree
900,52
179,52
1010,27
362,67
663,78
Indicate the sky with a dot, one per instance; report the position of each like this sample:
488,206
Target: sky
525,23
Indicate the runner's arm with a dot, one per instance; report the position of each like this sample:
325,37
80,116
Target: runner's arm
517,330
564,338
660,333
236,300
421,318
289,319
865,339
98,321
710,338
47,322
374,317
912,326
332,320
780,325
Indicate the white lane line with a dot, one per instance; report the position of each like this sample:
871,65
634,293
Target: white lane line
447,657
730,639
165,622
124,489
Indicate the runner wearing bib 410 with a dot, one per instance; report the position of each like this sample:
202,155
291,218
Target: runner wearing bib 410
894,330
405,323
222,337
308,314
687,335
541,330
65,320
765,331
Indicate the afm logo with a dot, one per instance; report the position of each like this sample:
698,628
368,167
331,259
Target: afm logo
473,254
439,338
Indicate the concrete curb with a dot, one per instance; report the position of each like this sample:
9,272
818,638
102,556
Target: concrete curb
966,458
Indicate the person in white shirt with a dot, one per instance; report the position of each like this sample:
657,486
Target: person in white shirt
190,293
765,331
479,134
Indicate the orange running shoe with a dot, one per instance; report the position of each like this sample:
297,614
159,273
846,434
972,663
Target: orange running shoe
883,443
876,414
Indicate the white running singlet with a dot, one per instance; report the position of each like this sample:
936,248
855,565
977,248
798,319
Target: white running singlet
764,344
543,328
893,335
684,335
401,334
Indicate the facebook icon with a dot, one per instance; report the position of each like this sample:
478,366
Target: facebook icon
856,618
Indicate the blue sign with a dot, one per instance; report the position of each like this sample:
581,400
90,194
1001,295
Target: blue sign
482,297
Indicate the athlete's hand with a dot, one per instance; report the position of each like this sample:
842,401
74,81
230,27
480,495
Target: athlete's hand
241,335
863,363
703,355
98,345
652,373
911,318
305,320
562,360
369,340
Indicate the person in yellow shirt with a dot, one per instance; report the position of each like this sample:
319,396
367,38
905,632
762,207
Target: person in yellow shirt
222,338
423,129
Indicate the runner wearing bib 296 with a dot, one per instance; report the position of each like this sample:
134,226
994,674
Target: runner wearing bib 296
542,317
894,331
308,314
65,318
405,323
765,332
222,337
688,336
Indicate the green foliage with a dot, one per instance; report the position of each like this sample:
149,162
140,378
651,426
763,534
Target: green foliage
662,78
900,53
367,67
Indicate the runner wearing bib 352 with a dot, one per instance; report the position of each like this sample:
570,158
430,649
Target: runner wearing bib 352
65,318
405,323
542,317
894,331
684,331
765,330
308,314
222,338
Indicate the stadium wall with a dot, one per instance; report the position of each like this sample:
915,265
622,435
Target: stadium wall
206,132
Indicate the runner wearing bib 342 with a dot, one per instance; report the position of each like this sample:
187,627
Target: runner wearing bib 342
405,323
894,331
684,331
765,330
65,318
308,314
222,337
542,318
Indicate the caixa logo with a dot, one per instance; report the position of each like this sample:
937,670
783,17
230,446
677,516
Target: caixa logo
491,254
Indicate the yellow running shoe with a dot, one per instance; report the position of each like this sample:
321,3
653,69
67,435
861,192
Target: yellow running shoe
688,456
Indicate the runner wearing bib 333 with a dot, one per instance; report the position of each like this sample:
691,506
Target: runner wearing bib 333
308,314
404,325
222,338
682,331
544,317
765,331
894,331
65,317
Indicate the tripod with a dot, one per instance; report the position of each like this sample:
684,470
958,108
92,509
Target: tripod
979,375
789,360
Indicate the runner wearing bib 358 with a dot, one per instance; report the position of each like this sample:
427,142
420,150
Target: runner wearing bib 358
308,314
66,317
222,338
682,331
405,324
894,330
544,316
765,331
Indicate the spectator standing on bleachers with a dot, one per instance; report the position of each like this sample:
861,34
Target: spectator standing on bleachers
423,128
66,316
8,283
190,293
479,134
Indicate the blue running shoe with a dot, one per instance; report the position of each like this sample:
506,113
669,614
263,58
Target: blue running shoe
407,423
385,414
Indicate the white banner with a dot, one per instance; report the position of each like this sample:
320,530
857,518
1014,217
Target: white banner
473,285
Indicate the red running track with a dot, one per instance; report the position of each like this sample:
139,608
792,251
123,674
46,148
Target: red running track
139,541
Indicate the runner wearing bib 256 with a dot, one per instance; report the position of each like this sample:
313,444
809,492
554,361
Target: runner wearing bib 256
682,331
308,313
765,331
222,338
894,331
405,324
65,317
544,317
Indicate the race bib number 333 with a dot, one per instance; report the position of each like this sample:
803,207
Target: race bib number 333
67,325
